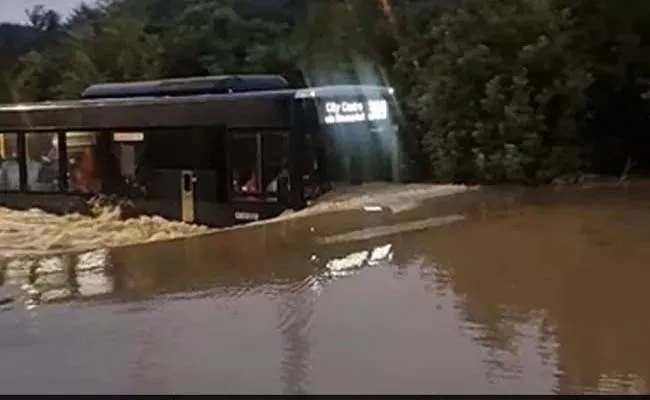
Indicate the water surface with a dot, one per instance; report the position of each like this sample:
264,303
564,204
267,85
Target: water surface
533,292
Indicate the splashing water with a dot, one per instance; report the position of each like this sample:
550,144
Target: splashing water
36,231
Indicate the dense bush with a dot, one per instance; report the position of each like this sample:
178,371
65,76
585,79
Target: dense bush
505,91
491,90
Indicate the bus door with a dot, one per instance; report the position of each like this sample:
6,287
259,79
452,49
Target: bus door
188,173
203,183
259,174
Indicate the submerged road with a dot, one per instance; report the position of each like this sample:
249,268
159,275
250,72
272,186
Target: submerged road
529,292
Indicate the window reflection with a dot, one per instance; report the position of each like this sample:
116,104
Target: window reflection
42,161
9,167
126,153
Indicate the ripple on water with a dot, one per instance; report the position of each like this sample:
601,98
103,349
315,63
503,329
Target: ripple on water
516,302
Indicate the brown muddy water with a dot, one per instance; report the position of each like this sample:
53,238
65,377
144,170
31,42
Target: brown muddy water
533,291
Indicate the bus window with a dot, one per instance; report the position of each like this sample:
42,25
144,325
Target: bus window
127,152
259,164
274,161
9,168
42,162
316,178
246,164
82,165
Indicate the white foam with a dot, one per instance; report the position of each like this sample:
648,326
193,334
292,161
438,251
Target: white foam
38,232
396,198
35,232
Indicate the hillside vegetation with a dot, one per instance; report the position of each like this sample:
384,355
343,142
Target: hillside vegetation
491,91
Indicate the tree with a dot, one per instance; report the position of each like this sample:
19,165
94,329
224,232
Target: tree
613,40
43,19
15,41
105,43
498,93
210,37
491,91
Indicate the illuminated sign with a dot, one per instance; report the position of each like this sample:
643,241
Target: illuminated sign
347,112
128,137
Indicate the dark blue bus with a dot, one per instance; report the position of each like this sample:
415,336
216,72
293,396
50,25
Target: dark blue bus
215,150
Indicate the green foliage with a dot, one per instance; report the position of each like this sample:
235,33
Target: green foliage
503,91
212,38
491,90
499,93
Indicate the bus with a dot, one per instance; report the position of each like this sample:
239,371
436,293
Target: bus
215,150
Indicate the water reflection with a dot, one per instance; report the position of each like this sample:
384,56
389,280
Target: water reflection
295,314
352,263
571,274
532,293
36,280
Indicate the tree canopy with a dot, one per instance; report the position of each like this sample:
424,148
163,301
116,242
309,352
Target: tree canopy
490,90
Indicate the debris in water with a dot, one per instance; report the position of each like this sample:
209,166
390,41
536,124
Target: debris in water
6,300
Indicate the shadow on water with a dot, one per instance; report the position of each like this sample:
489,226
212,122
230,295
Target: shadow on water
534,292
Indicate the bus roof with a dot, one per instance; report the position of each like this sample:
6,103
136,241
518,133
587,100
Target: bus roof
216,84
252,109
242,110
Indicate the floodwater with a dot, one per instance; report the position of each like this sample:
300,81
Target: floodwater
534,291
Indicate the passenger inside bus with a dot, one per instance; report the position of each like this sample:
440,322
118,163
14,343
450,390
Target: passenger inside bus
251,185
10,173
274,185
48,175
244,183
84,173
